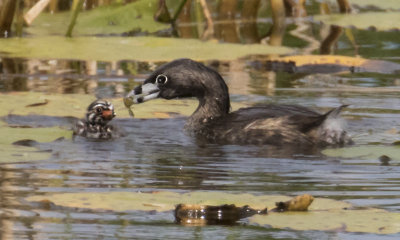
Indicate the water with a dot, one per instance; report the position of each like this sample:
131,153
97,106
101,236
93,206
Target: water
168,160
156,155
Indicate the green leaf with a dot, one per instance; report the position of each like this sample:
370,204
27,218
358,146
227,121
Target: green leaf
135,48
112,19
382,21
323,214
364,152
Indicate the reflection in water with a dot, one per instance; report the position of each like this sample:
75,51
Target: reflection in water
11,66
185,31
295,8
330,40
279,23
226,30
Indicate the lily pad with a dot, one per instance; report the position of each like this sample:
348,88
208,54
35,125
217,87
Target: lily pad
370,220
37,134
112,19
364,152
135,48
382,21
11,153
323,214
75,105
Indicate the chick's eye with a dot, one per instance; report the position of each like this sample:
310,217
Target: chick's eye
161,79
99,110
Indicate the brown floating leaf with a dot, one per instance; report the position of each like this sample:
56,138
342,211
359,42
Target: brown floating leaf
298,203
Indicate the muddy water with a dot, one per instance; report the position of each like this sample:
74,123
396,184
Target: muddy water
156,155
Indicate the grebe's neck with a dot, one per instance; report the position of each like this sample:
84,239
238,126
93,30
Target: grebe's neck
213,104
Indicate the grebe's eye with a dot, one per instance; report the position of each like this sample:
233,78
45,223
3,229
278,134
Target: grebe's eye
161,79
99,110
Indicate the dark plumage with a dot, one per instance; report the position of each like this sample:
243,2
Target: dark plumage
95,126
212,121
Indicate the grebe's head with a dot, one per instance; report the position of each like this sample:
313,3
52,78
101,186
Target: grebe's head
179,79
100,112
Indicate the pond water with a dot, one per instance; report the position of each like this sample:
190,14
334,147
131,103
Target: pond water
156,155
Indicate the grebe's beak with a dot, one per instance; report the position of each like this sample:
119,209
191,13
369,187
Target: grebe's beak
141,94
